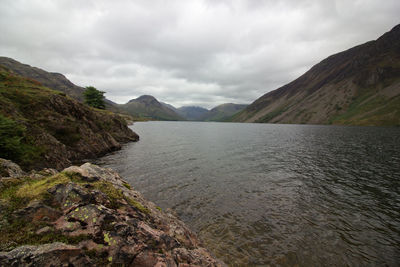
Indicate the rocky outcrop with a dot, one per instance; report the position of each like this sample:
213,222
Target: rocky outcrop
89,215
54,129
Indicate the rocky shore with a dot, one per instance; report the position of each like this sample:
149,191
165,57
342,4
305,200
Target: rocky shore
86,216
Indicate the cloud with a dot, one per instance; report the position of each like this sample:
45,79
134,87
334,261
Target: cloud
187,52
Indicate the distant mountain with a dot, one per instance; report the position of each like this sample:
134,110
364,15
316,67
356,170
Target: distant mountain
169,106
222,112
360,86
55,81
147,106
192,113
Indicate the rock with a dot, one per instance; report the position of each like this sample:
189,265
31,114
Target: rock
37,211
44,230
10,169
150,259
102,222
55,254
69,196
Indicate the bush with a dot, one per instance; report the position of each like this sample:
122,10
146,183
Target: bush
13,144
94,97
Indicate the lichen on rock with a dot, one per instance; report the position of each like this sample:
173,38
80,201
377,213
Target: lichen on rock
88,215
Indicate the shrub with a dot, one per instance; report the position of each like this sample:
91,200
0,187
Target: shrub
13,144
94,97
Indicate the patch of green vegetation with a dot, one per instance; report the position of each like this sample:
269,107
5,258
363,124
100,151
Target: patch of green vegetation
15,145
368,110
159,208
9,196
18,232
114,195
15,231
269,116
128,186
36,189
137,205
109,240
94,97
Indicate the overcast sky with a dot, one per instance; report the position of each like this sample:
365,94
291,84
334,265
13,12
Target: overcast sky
187,52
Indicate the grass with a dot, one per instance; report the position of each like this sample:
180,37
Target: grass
269,116
368,109
137,205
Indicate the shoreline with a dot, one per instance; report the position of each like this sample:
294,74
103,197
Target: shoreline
89,215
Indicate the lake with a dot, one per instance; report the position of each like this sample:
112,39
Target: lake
260,194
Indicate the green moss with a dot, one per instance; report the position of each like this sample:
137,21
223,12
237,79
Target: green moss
159,208
114,195
137,205
127,185
18,232
38,188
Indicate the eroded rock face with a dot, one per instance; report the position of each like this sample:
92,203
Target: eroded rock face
99,220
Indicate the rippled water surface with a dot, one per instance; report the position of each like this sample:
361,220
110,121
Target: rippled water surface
260,194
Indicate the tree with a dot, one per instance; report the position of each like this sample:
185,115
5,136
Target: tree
94,97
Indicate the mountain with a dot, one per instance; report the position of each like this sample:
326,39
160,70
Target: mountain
192,113
55,81
44,128
360,86
169,106
147,106
222,112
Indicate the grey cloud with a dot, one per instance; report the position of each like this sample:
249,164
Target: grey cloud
187,52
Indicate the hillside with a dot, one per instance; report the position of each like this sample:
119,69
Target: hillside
41,127
147,106
55,81
192,113
360,86
222,112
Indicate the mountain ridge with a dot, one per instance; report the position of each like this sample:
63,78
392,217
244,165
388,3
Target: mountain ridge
359,86
53,80
223,112
148,107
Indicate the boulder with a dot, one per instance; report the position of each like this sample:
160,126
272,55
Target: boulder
10,169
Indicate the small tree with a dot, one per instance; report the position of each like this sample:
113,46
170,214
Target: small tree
94,97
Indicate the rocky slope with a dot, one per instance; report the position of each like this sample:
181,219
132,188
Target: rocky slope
360,86
87,216
222,112
55,81
147,106
49,129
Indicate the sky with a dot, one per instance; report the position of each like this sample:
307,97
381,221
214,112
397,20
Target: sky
187,52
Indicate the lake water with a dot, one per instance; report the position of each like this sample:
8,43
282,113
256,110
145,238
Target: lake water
265,194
